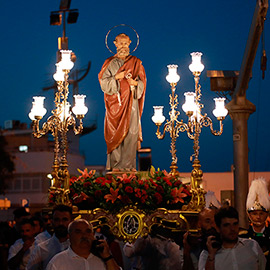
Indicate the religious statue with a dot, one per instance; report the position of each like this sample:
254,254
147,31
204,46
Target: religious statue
123,81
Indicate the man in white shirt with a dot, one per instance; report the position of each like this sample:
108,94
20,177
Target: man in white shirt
48,229
20,251
156,251
235,253
79,255
43,252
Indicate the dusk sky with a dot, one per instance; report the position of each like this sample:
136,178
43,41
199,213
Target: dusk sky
169,31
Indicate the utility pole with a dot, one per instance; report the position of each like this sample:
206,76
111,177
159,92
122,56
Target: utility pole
240,109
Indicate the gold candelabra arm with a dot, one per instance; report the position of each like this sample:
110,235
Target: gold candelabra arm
191,126
37,132
72,122
206,121
52,124
160,135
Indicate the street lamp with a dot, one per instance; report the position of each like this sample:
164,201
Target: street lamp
196,120
58,123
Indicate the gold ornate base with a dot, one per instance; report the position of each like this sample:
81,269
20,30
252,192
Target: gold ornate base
131,222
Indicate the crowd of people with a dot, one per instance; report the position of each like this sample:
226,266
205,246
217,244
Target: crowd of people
57,242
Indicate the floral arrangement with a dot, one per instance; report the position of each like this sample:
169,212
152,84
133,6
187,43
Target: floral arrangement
158,190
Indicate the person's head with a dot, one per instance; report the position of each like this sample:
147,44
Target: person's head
61,217
227,221
27,229
38,224
81,235
122,42
47,219
20,214
206,219
258,203
258,218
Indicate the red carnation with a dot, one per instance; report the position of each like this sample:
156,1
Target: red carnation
158,197
177,183
125,199
138,193
167,180
105,181
72,180
160,189
129,189
87,184
140,182
153,182
98,193
143,198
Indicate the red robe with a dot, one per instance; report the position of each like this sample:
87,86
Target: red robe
117,118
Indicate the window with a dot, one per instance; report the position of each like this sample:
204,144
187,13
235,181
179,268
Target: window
17,184
26,184
36,183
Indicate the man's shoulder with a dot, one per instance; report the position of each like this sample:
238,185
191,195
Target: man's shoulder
247,241
59,259
47,243
18,243
60,255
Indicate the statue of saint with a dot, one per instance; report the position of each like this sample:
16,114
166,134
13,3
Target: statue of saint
122,79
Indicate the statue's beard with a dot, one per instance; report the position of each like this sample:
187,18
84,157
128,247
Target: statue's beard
123,52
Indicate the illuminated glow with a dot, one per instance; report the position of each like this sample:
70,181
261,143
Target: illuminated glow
172,77
59,75
196,65
38,109
189,105
158,117
220,110
66,63
79,108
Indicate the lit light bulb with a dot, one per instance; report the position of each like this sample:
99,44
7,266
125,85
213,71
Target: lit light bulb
66,63
196,65
158,118
189,105
220,111
172,77
79,108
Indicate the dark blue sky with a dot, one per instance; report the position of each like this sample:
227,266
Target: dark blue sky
169,31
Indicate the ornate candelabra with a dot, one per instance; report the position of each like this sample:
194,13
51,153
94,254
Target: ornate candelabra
196,120
58,123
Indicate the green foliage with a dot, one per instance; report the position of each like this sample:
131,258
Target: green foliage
158,190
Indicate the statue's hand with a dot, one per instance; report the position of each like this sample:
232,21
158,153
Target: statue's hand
120,75
132,82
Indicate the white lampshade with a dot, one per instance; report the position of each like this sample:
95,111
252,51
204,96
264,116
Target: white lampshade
189,105
66,63
196,65
59,75
65,112
79,108
158,117
38,109
172,77
220,111
31,114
